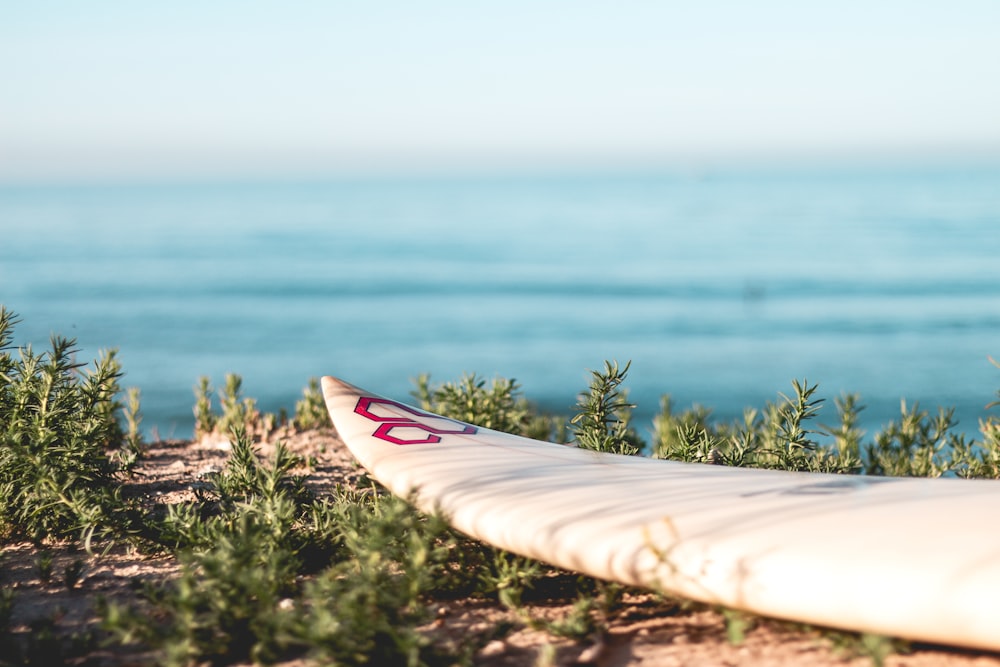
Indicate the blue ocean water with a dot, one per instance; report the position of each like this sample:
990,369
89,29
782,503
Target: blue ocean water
720,287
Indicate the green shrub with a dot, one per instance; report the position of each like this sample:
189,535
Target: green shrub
204,418
918,445
244,549
602,422
310,410
63,451
500,406
777,437
223,606
236,412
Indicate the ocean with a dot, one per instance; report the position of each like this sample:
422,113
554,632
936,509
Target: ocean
720,286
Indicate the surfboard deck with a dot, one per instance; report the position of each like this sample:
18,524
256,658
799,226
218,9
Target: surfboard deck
905,557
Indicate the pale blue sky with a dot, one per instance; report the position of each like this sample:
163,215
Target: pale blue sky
124,90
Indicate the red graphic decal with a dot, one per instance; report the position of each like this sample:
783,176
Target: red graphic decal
438,426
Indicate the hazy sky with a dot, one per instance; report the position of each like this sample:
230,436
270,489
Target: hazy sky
103,89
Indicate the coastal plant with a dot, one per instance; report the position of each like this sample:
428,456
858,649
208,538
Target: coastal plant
590,607
794,447
602,421
245,548
63,451
979,459
245,486
310,410
499,406
690,436
738,623
777,437
244,598
43,565
204,418
368,605
235,410
577,624
846,434
244,478
237,549
788,444
131,412
509,576
685,436
918,445
996,403
876,648
223,605
73,573
924,444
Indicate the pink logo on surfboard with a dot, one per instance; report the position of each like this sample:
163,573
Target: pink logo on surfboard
399,430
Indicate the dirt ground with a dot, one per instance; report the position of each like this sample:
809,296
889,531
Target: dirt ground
646,631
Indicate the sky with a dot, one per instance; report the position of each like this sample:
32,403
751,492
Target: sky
107,90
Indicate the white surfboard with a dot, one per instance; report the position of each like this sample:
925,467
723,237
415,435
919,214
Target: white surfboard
911,558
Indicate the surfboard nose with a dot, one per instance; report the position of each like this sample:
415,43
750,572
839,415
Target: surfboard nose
333,386
335,391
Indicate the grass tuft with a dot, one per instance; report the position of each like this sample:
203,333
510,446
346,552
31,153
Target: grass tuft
310,410
602,422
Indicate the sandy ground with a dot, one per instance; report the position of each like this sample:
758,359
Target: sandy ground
646,630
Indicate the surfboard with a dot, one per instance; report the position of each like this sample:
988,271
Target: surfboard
911,558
